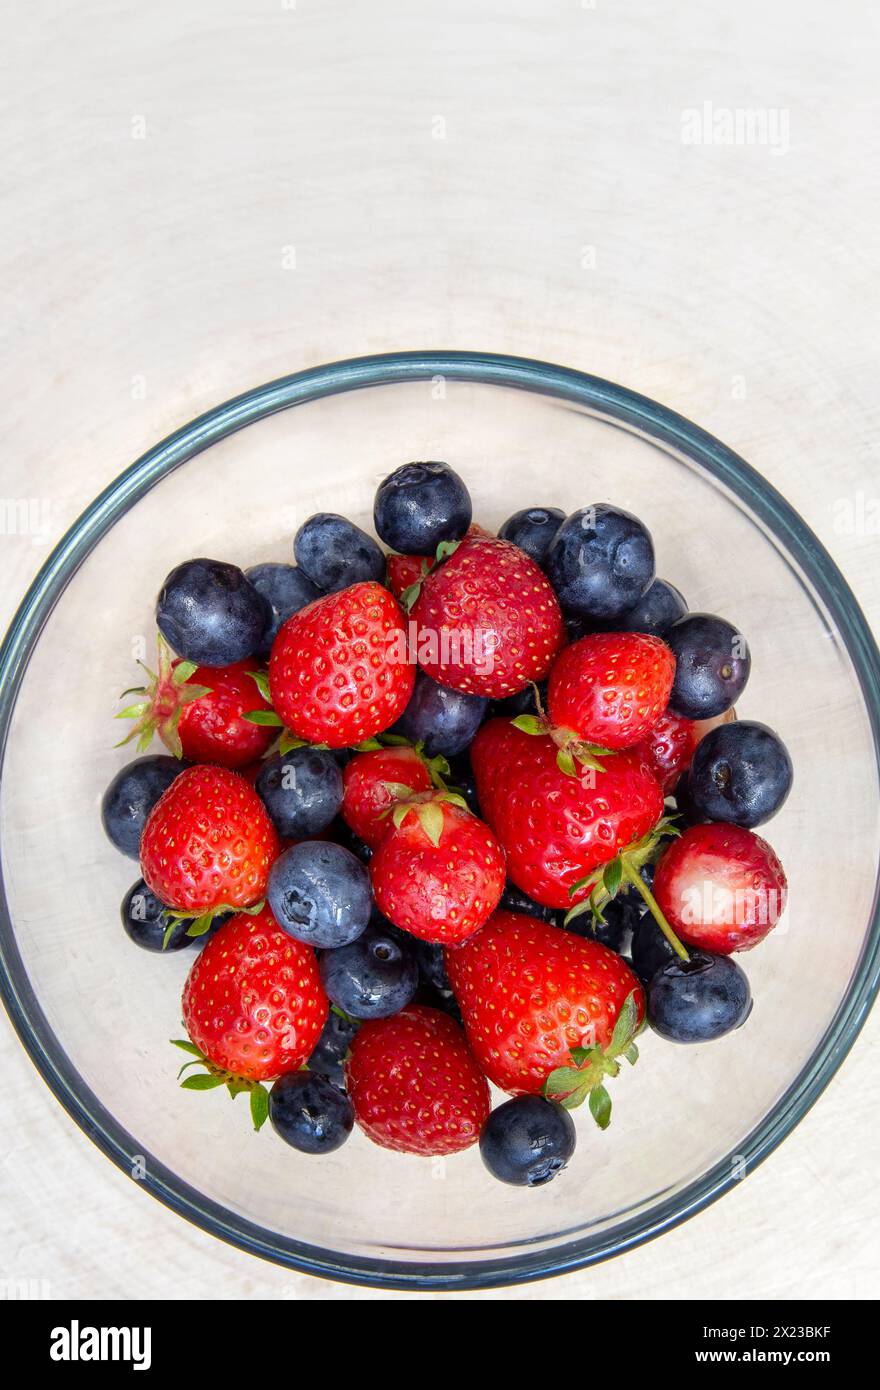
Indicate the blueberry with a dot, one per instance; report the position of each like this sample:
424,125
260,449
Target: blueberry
712,665
622,917
432,965
527,1141
301,790
210,613
344,835
660,606
335,553
443,720
688,812
332,1048
740,773
650,950
320,893
374,977
131,796
698,1000
310,1113
513,899
533,530
145,921
419,505
601,561
286,590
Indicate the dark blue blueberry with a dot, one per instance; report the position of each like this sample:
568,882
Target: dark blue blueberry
146,922
320,893
600,563
286,590
131,796
698,1000
649,949
210,613
443,720
660,606
374,977
301,790
688,812
344,835
332,1048
432,964
523,702
740,773
527,1141
712,665
533,530
310,1113
622,917
513,899
335,553
419,505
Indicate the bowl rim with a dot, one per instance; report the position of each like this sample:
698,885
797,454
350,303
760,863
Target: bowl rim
609,401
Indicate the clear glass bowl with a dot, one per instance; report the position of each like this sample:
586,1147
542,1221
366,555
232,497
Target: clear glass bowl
96,1014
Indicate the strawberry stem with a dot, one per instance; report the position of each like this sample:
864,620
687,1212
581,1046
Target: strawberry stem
635,880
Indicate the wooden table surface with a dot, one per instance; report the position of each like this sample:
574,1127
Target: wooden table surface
202,197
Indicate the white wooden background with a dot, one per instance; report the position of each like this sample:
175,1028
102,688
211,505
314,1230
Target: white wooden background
202,196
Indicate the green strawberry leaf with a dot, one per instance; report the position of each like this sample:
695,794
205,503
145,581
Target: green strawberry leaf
529,724
430,816
632,1054
207,1081
186,1046
369,745
566,763
183,670
259,1106
261,680
133,712
600,1107
289,741
626,1027
444,550
612,877
264,716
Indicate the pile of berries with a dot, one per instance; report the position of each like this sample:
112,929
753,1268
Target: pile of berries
472,811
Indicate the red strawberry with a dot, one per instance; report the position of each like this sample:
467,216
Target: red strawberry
439,871
555,828
208,843
340,670
198,711
670,746
721,887
414,1085
405,570
610,688
253,1001
488,620
365,788
254,1008
529,993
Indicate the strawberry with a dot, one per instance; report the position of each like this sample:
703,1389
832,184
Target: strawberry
367,797
199,712
414,1084
556,828
610,688
208,844
402,571
488,620
670,746
721,887
439,871
340,670
535,999
254,1007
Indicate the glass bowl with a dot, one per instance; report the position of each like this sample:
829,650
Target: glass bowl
96,1014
